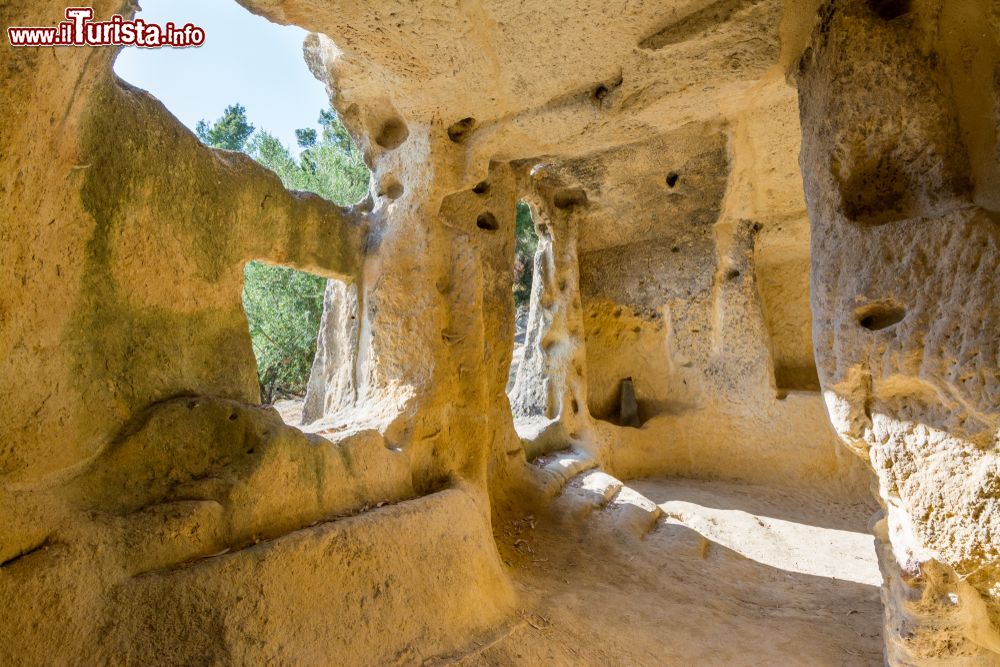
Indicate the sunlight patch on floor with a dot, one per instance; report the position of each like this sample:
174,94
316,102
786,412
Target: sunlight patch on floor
795,547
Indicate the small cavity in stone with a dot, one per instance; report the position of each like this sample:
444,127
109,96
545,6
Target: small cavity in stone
891,9
392,134
460,131
878,316
392,188
487,221
569,197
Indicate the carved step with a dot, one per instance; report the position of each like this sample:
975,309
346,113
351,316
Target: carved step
559,468
615,505
633,512
587,492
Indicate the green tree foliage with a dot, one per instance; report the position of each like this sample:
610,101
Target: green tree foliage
524,254
231,132
331,166
306,137
284,306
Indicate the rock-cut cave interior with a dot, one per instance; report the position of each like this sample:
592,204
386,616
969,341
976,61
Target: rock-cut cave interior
753,413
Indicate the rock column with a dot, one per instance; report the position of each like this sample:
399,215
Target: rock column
905,278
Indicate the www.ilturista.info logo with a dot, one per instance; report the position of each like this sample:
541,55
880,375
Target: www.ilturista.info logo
79,29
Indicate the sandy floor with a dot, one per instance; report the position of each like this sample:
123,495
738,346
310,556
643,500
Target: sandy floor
735,575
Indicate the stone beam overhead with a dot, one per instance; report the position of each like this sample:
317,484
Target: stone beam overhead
574,75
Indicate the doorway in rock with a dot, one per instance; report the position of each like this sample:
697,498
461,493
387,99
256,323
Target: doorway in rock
284,308
248,89
526,243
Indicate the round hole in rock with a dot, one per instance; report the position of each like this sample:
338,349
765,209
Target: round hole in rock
392,134
878,316
459,132
733,274
487,221
392,188
569,197
481,188
600,92
890,9
672,179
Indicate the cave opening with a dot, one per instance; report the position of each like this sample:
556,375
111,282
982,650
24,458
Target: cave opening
525,245
248,89
284,309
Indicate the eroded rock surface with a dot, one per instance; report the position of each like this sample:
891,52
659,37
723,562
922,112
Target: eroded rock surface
152,512
906,271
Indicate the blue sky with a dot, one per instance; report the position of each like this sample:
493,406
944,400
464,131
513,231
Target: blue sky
245,59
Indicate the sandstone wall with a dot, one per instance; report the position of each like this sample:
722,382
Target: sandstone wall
898,114
691,88
692,250
143,491
139,480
